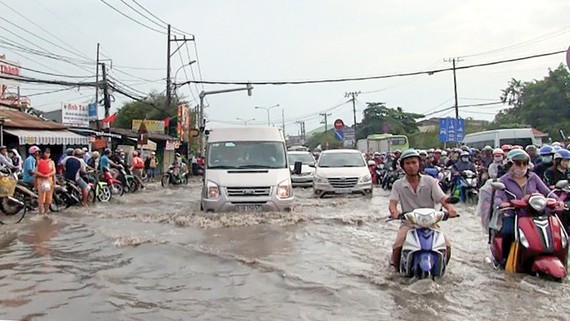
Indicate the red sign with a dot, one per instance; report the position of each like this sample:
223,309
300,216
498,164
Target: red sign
338,124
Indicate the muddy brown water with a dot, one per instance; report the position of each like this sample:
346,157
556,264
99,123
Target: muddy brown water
154,256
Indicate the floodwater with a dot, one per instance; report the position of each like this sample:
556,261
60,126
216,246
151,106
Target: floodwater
155,256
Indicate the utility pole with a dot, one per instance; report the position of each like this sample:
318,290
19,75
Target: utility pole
169,55
353,94
106,97
302,127
168,80
325,121
283,121
453,61
97,78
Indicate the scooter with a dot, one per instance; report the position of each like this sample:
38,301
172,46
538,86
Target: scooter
424,254
541,243
470,185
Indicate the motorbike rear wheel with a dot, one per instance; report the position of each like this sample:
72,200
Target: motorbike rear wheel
165,180
117,189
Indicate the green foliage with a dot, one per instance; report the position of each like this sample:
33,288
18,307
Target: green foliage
327,141
542,104
152,107
379,118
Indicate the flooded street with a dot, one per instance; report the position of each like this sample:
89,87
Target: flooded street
154,256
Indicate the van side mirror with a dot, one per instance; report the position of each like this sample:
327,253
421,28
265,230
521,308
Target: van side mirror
498,186
561,184
297,168
313,165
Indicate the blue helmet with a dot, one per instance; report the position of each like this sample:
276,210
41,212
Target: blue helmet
563,154
546,150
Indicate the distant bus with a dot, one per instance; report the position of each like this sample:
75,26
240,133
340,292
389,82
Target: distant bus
499,137
383,143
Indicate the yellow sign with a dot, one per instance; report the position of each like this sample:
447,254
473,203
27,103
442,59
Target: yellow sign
152,126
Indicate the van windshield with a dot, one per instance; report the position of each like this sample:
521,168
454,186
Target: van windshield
341,160
242,155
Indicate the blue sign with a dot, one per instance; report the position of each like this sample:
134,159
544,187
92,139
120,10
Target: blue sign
451,129
339,135
92,111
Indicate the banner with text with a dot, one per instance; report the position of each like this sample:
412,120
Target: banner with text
9,69
152,126
75,115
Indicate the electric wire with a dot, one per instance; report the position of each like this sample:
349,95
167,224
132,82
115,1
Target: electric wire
132,19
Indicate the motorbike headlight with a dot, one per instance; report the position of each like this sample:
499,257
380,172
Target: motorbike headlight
284,189
522,239
213,190
366,179
537,202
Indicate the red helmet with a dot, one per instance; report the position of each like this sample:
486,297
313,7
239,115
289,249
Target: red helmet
506,148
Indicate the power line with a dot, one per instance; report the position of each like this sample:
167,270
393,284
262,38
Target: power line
415,73
134,20
77,52
141,14
156,17
44,72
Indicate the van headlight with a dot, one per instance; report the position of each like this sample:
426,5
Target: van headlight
284,189
320,180
213,190
366,178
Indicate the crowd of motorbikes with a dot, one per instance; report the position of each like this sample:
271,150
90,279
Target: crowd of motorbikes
540,244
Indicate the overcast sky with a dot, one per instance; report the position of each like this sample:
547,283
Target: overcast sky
254,40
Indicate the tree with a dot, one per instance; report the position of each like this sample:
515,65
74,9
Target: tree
151,107
542,104
327,141
379,119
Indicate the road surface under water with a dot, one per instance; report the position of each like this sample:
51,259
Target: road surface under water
154,256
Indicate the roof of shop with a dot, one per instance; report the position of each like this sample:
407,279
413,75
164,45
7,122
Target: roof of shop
17,119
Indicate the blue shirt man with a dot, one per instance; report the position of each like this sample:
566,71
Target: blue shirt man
103,163
29,169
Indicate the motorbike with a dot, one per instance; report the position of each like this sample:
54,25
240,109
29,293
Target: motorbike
424,254
467,188
390,177
130,183
540,244
380,171
12,210
174,176
372,169
100,190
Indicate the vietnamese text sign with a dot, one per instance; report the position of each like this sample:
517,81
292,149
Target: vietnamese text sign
75,115
9,69
152,126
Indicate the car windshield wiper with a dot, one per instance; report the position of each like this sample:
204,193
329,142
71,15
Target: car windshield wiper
254,166
222,167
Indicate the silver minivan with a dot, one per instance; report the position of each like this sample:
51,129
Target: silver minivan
246,169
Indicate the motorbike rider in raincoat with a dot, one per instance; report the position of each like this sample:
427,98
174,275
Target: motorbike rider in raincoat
519,181
464,163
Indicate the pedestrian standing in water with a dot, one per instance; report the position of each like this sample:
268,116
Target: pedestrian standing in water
45,181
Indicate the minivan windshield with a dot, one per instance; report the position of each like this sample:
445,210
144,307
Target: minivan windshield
304,158
246,154
341,160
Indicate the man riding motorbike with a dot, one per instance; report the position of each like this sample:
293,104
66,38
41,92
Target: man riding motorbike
463,164
519,181
74,167
414,191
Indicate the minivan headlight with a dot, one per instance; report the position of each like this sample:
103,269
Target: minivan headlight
213,190
366,179
284,189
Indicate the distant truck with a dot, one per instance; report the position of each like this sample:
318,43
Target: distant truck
382,143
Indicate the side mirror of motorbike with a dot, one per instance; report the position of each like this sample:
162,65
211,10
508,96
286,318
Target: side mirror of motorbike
562,184
297,168
498,186
452,200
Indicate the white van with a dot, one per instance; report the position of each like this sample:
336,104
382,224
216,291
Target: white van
499,137
246,169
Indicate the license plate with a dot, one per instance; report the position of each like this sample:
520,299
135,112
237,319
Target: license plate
343,190
249,208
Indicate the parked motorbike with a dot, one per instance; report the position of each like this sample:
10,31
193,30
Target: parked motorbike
12,210
541,243
424,254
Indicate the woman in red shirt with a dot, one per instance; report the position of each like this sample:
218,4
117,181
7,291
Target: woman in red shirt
45,181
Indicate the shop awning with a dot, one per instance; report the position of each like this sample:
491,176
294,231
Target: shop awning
150,145
47,137
86,131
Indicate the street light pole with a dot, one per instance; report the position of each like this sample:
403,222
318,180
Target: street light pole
267,109
245,121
